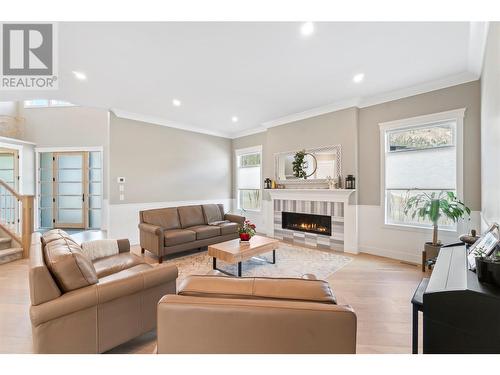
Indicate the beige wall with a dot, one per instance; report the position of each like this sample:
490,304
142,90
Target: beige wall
357,130
329,129
68,127
490,128
162,164
466,95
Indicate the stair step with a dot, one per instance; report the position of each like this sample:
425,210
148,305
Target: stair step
10,255
5,243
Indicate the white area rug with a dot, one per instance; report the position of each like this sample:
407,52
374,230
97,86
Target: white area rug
291,261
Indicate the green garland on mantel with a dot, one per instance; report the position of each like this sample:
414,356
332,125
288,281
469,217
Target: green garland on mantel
298,164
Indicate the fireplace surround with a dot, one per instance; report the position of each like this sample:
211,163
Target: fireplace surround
305,222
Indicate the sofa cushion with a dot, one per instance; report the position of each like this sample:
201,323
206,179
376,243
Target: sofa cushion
115,263
167,218
191,216
205,231
212,213
178,236
228,228
257,288
68,265
55,234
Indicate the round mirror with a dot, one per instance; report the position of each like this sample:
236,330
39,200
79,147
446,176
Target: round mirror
310,164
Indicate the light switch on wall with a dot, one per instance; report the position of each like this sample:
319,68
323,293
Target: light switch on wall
122,187
122,197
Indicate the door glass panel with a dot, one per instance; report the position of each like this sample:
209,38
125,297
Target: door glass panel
6,161
46,188
69,216
46,160
46,174
70,201
95,188
95,218
70,161
70,188
7,175
46,218
95,175
69,175
95,201
95,159
46,201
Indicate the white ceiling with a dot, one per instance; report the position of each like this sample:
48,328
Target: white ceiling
258,72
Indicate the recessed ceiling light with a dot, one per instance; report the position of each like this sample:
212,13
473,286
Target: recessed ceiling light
358,78
79,75
234,119
307,28
176,102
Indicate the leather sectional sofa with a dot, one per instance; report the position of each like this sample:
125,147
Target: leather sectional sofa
172,230
79,305
222,315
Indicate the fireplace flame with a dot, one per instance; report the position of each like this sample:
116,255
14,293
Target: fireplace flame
310,226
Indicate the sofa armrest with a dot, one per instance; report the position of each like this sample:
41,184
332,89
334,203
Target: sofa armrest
76,300
151,229
151,238
235,218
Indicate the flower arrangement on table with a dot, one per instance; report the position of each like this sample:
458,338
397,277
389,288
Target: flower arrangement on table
247,231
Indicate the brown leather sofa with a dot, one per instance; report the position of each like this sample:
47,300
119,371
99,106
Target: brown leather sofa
84,306
172,230
223,315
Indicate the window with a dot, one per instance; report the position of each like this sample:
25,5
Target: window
420,154
45,103
248,178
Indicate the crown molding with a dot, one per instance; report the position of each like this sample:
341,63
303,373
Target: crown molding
423,88
478,34
161,121
246,132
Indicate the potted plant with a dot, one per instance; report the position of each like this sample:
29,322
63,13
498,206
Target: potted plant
247,231
298,164
433,206
481,265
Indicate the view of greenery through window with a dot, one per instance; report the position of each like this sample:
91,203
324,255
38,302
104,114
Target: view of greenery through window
421,138
250,160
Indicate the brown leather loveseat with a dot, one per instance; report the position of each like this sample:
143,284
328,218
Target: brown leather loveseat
233,315
172,230
79,305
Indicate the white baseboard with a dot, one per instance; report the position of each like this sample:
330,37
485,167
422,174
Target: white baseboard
393,254
123,219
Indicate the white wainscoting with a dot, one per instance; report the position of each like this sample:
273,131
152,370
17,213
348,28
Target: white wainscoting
400,243
123,219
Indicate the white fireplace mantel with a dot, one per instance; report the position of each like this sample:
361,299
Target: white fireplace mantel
320,195
328,195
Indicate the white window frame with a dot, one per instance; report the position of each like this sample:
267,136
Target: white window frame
456,115
244,151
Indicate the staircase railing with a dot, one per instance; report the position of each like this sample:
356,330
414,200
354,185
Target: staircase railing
17,216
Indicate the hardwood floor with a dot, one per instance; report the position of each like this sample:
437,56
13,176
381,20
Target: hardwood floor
379,289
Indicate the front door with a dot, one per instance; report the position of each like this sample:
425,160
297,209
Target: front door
70,189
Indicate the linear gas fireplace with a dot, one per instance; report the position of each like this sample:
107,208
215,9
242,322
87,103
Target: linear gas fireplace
319,224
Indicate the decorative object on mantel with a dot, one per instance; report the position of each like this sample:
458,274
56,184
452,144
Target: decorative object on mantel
267,183
331,182
350,182
302,167
247,231
433,206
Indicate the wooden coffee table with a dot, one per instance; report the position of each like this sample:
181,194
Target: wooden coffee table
234,251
